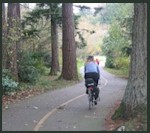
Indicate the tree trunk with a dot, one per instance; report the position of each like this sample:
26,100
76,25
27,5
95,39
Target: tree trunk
135,97
12,39
18,19
69,68
4,30
54,42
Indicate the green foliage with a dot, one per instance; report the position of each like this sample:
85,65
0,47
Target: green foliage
27,70
31,65
127,51
121,62
80,63
124,73
28,74
42,69
42,60
118,40
113,47
115,11
117,43
27,59
8,84
118,63
6,72
109,62
114,42
51,9
33,23
47,59
13,36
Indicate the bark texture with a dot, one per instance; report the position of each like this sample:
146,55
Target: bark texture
135,97
4,30
54,41
69,68
12,40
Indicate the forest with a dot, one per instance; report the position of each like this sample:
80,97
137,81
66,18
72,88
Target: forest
45,46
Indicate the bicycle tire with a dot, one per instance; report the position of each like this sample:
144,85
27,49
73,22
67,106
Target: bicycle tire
90,98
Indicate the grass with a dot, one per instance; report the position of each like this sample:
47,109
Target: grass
124,73
44,84
47,82
51,83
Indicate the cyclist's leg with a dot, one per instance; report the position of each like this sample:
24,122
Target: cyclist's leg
96,88
86,76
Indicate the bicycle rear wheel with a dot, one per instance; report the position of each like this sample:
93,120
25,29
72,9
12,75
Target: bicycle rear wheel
90,98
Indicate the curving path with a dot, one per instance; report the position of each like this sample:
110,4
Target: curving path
65,109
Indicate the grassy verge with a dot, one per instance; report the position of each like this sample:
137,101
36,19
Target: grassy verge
44,84
51,83
124,73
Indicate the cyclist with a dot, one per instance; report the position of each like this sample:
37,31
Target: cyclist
97,61
91,70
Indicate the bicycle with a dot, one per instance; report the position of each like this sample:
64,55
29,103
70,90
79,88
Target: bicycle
90,84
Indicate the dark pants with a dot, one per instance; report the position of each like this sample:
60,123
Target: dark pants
93,75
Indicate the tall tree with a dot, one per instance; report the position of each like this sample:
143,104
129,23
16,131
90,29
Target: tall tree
52,10
69,68
54,40
12,39
135,97
3,15
3,36
18,21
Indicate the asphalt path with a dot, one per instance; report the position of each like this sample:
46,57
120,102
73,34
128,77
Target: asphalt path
65,109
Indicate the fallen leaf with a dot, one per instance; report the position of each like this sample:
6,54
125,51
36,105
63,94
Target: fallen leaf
35,107
26,124
35,121
74,126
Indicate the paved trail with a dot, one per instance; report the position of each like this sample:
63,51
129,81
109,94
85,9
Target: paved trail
64,109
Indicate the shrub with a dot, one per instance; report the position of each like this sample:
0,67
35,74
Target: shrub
42,60
27,59
47,60
8,84
121,62
109,62
32,64
43,57
28,74
6,72
41,67
27,70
